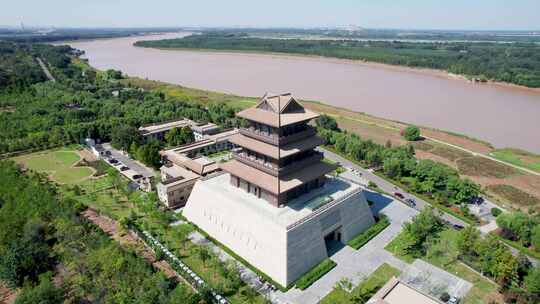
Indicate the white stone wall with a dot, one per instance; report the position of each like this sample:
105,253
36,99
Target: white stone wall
250,235
283,255
305,244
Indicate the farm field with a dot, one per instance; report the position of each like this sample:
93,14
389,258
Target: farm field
60,165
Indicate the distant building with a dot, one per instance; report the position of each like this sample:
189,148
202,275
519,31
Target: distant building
210,144
274,204
201,130
187,163
398,292
175,186
158,130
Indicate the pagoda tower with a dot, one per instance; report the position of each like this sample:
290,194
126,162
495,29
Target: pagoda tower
276,160
274,204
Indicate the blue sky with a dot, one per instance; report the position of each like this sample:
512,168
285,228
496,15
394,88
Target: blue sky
411,14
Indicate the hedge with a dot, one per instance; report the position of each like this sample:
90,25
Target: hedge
314,274
364,237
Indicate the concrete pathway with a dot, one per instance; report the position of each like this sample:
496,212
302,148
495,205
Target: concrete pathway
48,73
433,280
356,265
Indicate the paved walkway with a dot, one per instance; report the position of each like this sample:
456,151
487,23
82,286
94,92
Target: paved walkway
356,265
45,69
433,280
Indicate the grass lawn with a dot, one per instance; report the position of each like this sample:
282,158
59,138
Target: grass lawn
364,290
59,164
444,255
519,158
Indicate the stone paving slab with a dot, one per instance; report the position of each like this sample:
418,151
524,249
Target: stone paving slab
356,265
433,280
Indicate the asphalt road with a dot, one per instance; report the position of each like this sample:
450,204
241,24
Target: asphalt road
388,187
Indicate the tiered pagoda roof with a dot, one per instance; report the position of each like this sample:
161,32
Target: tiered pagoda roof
278,132
278,111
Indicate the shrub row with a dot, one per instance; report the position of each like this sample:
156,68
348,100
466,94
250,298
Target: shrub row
364,237
314,274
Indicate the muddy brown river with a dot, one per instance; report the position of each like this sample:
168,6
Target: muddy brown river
503,116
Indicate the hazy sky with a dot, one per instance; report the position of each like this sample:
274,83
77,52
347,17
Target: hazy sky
434,14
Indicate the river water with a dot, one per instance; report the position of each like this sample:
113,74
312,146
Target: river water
504,116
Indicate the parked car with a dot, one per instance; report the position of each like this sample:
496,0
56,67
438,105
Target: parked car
399,195
113,161
477,200
124,168
457,227
411,202
107,152
137,176
453,300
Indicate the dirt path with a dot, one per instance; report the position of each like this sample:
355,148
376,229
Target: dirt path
7,295
131,239
45,69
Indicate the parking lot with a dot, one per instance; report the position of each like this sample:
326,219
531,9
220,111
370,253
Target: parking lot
130,168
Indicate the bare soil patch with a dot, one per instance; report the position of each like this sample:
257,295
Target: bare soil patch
7,295
479,166
515,196
428,155
449,153
87,155
378,134
461,141
422,145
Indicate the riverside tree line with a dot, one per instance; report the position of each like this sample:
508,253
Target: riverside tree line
517,63
427,177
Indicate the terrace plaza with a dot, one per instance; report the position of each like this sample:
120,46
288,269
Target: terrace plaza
274,204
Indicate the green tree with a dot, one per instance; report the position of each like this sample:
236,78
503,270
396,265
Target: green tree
425,226
179,136
467,240
27,257
149,153
123,136
114,177
203,254
535,237
516,226
326,122
44,293
411,133
532,281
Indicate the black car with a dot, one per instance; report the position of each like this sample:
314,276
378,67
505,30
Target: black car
124,168
113,161
137,176
457,227
477,200
411,202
